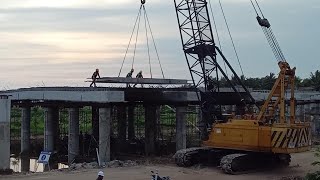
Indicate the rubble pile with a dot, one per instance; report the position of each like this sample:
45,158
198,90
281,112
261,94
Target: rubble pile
111,164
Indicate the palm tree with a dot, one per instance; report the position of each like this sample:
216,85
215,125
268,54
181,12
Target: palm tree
315,80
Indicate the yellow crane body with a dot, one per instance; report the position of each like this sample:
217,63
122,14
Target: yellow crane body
248,135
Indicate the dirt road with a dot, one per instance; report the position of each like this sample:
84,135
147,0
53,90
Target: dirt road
300,166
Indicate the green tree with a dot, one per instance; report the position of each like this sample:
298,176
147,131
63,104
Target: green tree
298,81
315,80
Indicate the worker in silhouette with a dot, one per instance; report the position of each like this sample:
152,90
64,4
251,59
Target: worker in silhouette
129,75
100,175
94,77
139,75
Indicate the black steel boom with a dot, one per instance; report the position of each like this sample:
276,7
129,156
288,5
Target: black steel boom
201,55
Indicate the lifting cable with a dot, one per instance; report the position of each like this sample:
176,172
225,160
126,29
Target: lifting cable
218,37
267,30
147,26
135,44
234,47
134,27
154,43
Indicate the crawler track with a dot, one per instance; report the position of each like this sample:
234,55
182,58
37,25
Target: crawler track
230,162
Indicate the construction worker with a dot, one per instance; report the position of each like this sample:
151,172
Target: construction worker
94,77
100,175
129,75
139,75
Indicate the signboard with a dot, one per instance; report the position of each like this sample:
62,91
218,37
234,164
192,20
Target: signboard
44,157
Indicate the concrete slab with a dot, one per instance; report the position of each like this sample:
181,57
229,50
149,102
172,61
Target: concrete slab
139,80
96,95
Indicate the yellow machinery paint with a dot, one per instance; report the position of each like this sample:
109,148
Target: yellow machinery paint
270,130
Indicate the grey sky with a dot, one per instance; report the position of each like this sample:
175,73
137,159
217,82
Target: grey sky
58,43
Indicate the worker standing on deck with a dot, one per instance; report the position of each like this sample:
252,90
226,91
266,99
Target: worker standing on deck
94,77
129,75
139,75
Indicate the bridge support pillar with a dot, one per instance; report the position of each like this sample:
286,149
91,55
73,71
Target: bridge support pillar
5,110
181,128
122,124
131,130
73,140
51,132
25,138
152,115
95,123
104,134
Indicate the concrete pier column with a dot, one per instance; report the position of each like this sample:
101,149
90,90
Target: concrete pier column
95,122
49,126
51,133
104,134
150,128
122,123
181,128
5,110
73,140
131,128
25,138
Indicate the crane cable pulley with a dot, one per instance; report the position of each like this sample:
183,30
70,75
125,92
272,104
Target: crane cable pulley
147,26
267,30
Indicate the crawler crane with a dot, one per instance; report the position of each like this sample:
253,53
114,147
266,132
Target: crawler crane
254,140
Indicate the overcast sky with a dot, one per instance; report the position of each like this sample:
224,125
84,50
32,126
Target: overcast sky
61,42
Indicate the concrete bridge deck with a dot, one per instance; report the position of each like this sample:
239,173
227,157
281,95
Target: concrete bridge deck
103,95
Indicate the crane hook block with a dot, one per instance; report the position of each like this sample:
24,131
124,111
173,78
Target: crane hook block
263,22
143,1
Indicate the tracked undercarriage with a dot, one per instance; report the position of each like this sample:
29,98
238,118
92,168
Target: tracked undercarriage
230,161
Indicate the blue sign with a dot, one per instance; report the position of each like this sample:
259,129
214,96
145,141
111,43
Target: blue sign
44,157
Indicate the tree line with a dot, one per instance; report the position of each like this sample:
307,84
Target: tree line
266,83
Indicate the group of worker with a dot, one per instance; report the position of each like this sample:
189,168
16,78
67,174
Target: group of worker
96,75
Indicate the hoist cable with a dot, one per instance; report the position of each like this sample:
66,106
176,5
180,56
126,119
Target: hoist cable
276,42
234,47
259,8
134,27
272,40
270,43
135,45
254,7
218,37
154,43
146,28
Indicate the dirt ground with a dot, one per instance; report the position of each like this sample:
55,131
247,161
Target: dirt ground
301,164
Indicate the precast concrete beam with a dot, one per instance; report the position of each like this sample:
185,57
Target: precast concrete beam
104,134
140,80
5,110
25,138
181,128
73,140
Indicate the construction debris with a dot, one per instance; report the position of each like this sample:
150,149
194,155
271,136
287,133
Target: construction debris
111,164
